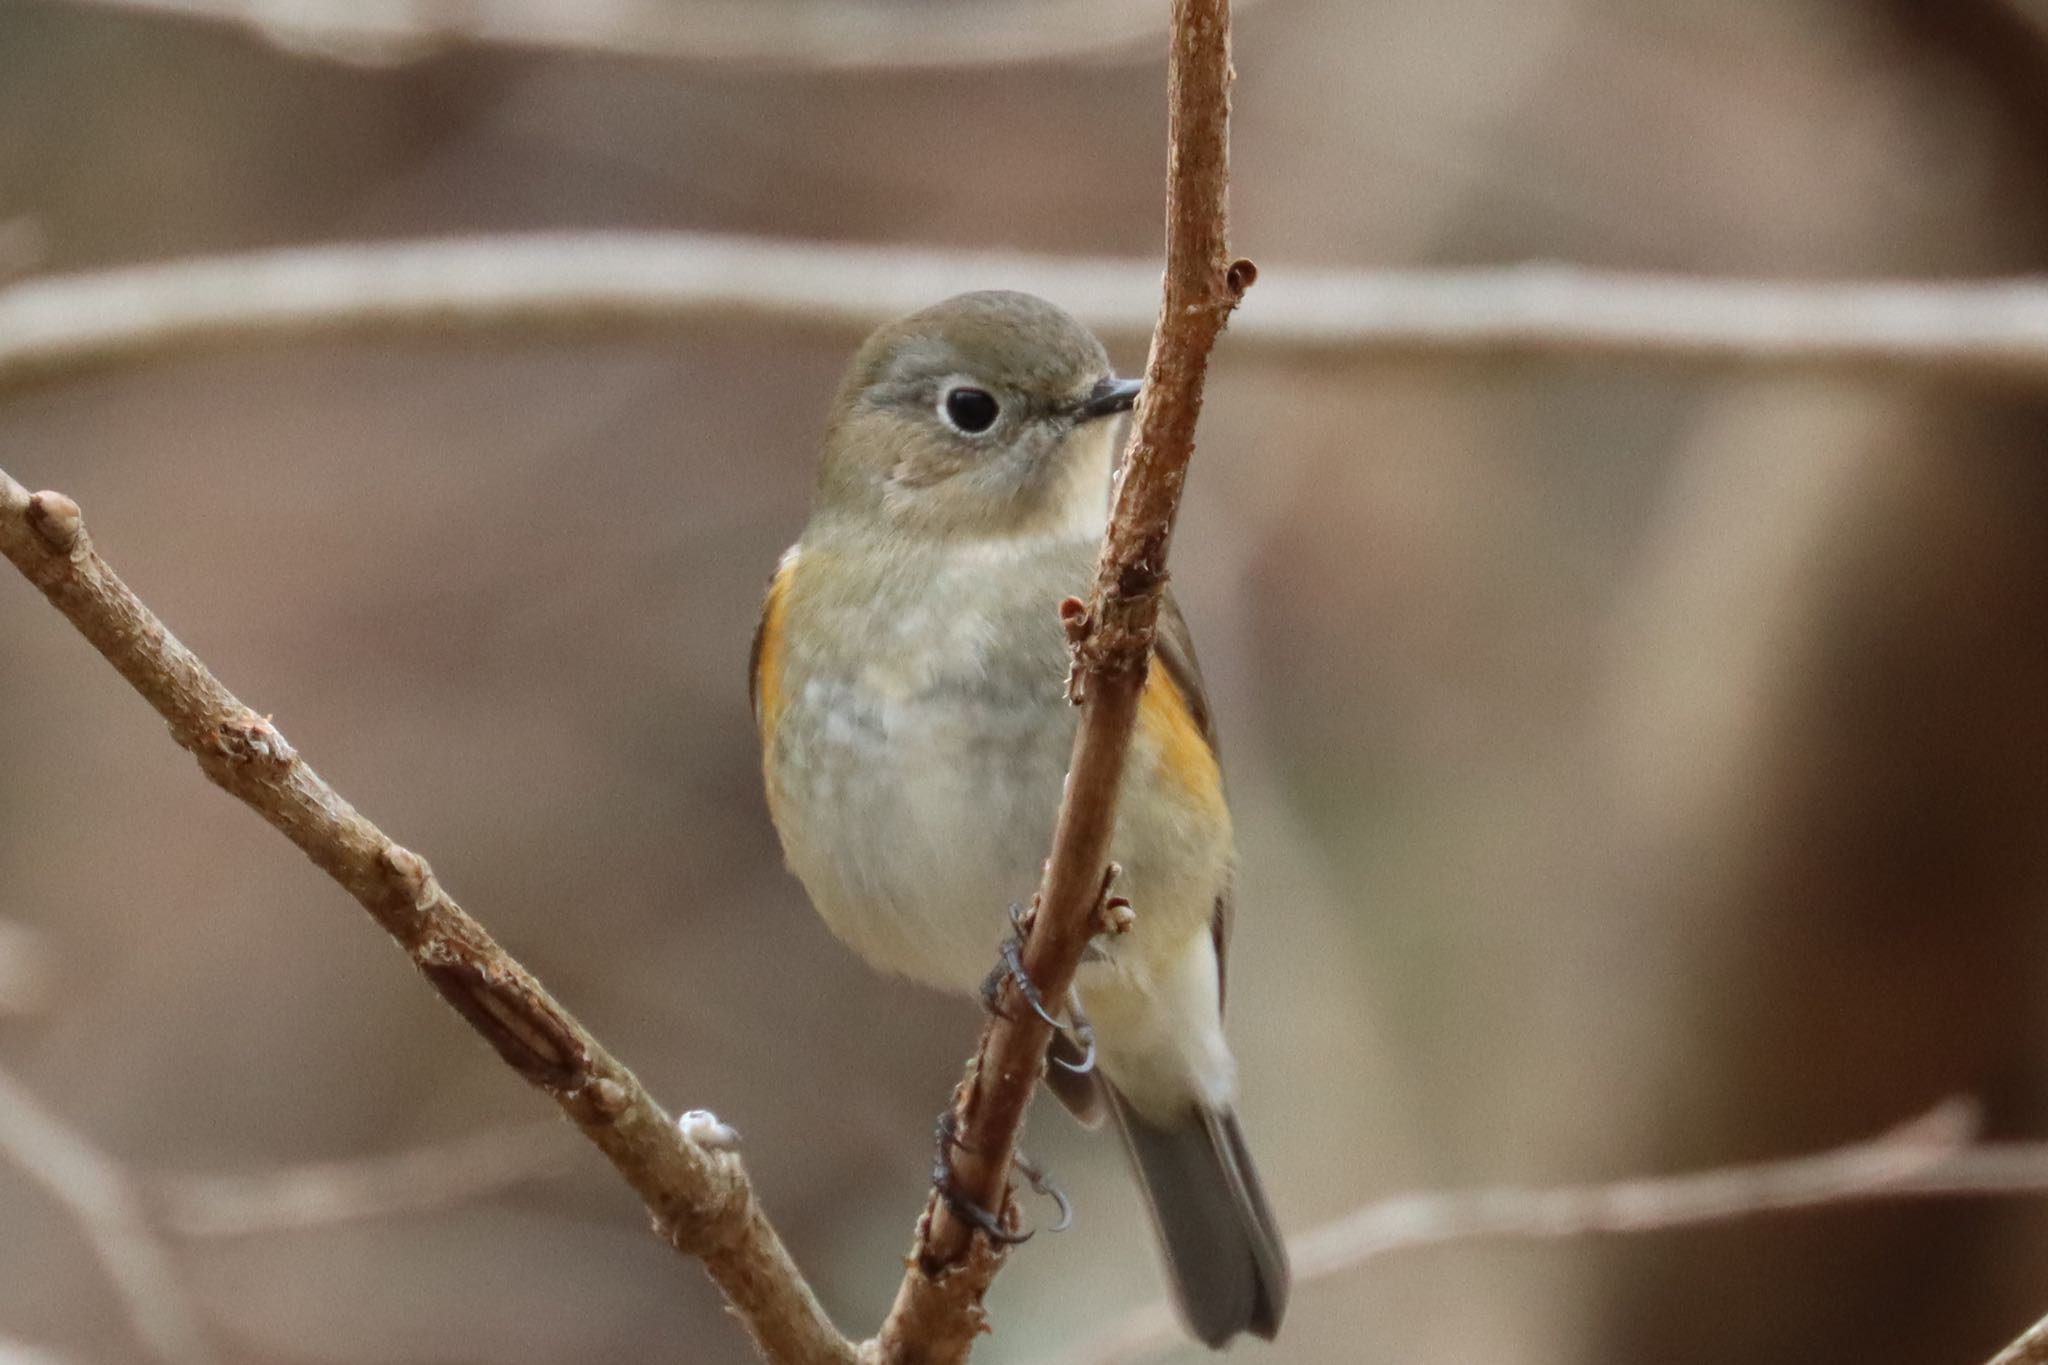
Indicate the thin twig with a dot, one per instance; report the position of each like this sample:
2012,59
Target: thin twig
321,1194
109,1210
938,1310
595,282
1931,1157
812,34
700,1197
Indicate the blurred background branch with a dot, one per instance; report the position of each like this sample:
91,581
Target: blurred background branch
110,1210
128,1214
320,1194
591,283
821,34
1930,1157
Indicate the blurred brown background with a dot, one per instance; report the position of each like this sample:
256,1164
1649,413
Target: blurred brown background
1636,770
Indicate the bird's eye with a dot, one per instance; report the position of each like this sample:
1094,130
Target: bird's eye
970,411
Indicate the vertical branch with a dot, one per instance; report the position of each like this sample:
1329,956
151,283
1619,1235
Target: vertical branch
938,1310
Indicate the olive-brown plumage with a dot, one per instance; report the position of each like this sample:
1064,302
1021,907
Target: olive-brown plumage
908,680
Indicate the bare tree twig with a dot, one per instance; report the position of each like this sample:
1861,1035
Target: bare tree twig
1930,1157
1881,1166
2030,1349
814,34
699,1195
53,325
321,1194
938,1310
110,1212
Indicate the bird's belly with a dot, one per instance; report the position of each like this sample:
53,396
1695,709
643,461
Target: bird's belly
916,822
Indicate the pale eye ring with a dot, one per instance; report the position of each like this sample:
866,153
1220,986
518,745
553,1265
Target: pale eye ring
968,410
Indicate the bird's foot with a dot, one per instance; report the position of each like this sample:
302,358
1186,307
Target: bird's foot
1083,1035
1010,967
1040,1181
973,1214
990,1225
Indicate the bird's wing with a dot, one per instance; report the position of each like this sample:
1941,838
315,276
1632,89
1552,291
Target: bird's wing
1175,652
1176,684
764,662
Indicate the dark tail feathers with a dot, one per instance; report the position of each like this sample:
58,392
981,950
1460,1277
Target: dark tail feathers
1224,1253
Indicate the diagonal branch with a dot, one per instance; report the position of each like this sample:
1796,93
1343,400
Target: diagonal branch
699,1194
938,1309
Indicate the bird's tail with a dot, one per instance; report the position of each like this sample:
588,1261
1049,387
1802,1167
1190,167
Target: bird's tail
1223,1250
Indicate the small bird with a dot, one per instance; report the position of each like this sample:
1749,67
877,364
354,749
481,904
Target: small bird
908,680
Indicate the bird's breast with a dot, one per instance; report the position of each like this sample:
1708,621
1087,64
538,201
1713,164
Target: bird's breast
918,754
915,766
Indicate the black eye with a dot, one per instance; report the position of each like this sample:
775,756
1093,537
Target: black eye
972,411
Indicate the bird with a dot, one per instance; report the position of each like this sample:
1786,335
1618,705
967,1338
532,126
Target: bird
908,680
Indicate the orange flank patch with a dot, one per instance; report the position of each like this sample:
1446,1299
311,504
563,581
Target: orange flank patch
1185,758
771,645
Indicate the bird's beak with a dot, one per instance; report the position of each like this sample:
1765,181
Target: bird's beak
1109,397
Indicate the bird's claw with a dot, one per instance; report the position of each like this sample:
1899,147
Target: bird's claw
1041,1183
988,1224
1083,1033
1013,967
966,1210
1010,967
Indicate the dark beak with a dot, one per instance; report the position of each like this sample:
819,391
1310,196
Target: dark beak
1108,398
